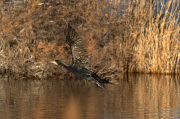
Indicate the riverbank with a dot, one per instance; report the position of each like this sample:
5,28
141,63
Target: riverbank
138,41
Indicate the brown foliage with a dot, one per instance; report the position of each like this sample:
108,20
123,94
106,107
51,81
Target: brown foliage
33,35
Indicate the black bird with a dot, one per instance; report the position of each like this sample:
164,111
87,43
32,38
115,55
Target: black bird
80,60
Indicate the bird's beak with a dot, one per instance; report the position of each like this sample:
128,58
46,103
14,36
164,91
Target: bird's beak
54,62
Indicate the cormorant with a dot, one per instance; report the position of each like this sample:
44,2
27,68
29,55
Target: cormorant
80,60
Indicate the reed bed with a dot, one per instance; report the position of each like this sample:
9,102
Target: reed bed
143,39
156,32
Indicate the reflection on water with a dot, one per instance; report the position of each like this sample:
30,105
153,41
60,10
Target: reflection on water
139,96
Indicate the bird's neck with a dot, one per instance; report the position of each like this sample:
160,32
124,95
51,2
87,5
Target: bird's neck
64,64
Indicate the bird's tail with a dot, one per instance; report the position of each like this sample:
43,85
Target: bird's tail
98,81
105,81
70,33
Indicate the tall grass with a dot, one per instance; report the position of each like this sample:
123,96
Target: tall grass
156,37
138,41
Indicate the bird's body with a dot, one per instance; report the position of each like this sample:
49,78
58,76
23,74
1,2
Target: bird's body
82,73
80,60
78,71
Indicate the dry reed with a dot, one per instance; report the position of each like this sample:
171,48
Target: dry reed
138,41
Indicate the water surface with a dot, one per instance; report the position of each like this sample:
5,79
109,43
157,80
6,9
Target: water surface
138,97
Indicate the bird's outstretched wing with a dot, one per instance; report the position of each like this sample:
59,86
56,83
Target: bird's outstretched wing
80,56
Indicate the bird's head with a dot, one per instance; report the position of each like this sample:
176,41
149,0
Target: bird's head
60,62
54,62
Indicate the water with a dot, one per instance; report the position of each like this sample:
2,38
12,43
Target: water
138,97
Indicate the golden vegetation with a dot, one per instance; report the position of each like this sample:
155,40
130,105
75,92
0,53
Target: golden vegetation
139,41
157,38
